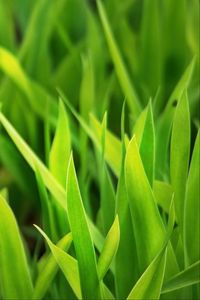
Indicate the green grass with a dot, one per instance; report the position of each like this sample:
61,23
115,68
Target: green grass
99,150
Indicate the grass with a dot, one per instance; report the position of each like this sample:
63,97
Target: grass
99,150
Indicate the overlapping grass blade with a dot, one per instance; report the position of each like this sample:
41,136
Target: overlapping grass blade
36,95
15,278
47,208
126,261
166,118
147,145
84,248
49,270
112,144
150,49
145,215
35,162
120,68
109,249
183,279
192,208
163,193
49,180
150,283
179,158
67,263
107,194
17,167
61,147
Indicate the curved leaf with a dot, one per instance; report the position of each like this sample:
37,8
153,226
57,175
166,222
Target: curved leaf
15,279
109,249
49,269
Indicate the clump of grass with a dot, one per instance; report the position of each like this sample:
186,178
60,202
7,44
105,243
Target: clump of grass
99,191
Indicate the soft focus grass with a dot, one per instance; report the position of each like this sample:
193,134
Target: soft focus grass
99,149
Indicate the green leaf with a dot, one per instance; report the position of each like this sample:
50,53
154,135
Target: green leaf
61,147
84,248
15,279
109,249
10,65
49,180
144,211
47,208
123,76
58,162
67,263
150,50
14,163
145,215
147,145
163,193
138,128
49,269
112,143
36,95
150,283
166,119
126,262
179,158
107,203
192,211
183,279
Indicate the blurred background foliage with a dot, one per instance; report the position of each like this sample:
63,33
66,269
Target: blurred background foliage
50,44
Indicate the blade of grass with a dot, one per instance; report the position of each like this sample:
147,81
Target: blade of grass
179,158
49,270
112,148
109,249
145,215
84,248
187,277
124,79
150,283
147,145
49,180
15,279
165,121
163,193
192,208
61,147
67,263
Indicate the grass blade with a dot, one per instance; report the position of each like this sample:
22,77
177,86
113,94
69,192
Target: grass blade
15,279
192,208
166,119
145,214
49,270
109,249
81,236
187,277
61,147
147,145
124,79
49,180
150,283
179,158
67,263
